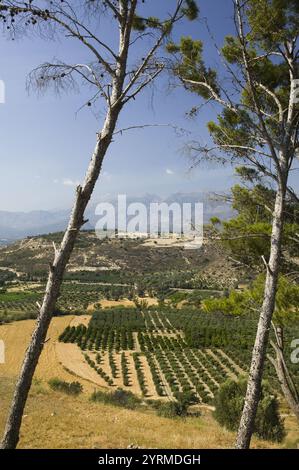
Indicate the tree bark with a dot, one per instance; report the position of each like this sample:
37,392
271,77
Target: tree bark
62,255
76,221
289,395
287,384
246,426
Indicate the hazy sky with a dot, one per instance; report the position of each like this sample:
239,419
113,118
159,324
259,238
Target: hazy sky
45,144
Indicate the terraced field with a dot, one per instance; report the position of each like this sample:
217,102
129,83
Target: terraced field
143,352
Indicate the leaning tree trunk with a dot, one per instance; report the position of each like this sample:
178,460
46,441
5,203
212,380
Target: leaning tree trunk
289,394
287,384
62,255
252,397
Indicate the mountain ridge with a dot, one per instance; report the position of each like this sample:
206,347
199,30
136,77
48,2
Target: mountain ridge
18,225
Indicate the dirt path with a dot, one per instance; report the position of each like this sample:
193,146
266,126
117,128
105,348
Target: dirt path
70,356
137,347
163,379
167,321
132,374
238,368
224,367
81,320
156,328
148,377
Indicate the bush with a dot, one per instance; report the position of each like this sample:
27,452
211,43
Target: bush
173,409
229,404
184,400
118,397
268,423
168,409
72,388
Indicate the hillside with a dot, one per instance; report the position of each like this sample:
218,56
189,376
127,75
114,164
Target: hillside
54,420
123,259
129,317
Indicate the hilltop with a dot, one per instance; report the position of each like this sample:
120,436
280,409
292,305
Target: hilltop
120,260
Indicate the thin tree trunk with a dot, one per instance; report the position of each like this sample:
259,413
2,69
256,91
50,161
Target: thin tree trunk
246,426
287,384
62,255
117,96
288,393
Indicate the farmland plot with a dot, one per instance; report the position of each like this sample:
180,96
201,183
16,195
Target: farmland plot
143,352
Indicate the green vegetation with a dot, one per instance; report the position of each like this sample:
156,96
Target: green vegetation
174,409
187,342
125,370
248,234
140,374
229,402
111,254
99,370
6,276
286,315
126,399
72,388
177,358
118,397
175,343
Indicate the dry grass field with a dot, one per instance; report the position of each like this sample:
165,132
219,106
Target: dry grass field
120,303
16,337
55,420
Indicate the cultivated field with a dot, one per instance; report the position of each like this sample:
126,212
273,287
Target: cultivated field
142,329
143,352
54,420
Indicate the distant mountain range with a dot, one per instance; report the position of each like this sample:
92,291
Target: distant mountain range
17,225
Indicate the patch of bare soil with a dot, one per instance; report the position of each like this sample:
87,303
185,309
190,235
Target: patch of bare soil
81,320
238,368
148,377
71,358
224,367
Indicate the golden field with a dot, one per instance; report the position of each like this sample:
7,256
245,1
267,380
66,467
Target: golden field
55,420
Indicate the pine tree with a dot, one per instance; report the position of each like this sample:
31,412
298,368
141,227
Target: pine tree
257,126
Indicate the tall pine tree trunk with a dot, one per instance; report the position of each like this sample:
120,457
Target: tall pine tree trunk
252,397
287,384
62,255
290,395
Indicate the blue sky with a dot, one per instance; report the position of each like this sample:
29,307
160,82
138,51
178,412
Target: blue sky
45,144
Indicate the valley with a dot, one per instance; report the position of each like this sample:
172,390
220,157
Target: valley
139,326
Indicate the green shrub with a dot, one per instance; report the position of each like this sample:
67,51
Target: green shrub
184,400
72,388
268,423
229,403
118,397
170,409
173,409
